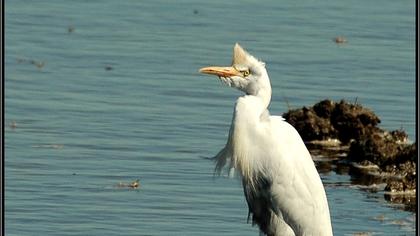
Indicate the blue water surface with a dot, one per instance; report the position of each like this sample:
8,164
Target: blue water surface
117,96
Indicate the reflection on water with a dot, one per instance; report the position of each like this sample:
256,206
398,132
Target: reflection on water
365,179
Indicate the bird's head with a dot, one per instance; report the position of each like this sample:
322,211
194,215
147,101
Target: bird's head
246,72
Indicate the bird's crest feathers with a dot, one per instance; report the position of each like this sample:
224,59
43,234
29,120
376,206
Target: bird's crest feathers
242,57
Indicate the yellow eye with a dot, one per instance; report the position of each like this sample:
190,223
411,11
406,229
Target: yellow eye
245,73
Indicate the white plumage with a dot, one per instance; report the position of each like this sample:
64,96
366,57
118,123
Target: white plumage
282,187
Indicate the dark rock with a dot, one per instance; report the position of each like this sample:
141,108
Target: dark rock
399,136
372,150
330,120
324,108
407,183
381,149
394,186
309,125
409,200
352,121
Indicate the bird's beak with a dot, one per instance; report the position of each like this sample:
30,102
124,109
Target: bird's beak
228,71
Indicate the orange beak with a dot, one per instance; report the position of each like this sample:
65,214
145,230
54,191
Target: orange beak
220,71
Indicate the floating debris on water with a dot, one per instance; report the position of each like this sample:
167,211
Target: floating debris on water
134,184
70,29
13,125
108,67
38,64
340,40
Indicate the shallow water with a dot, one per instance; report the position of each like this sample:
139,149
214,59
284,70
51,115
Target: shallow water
119,98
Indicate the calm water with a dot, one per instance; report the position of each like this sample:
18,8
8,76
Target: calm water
82,129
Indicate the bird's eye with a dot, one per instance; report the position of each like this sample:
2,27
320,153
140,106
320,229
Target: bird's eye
245,72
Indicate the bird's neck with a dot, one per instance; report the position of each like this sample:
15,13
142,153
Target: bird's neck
261,90
249,117
265,95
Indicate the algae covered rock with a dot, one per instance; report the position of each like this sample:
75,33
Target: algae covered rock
330,120
366,145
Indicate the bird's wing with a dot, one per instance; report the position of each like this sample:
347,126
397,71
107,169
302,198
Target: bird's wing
297,193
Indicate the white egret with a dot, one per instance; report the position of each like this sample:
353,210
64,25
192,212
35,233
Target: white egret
282,187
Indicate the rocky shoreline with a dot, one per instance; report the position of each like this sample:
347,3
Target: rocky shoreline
348,134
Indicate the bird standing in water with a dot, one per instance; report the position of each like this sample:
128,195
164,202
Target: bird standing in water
282,187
